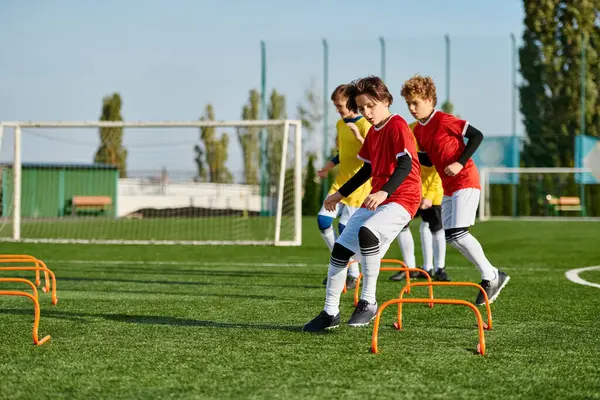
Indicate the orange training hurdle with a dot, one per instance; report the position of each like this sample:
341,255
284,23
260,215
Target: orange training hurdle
39,266
404,268
36,305
24,258
481,325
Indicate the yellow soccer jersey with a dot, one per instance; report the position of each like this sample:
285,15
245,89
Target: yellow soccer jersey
431,181
348,147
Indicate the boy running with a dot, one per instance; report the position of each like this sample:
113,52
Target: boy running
441,138
433,241
390,158
352,129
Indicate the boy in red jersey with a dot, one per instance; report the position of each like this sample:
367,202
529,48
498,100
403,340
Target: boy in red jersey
390,158
441,140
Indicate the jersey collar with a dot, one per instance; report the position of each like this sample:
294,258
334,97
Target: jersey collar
346,120
428,119
386,122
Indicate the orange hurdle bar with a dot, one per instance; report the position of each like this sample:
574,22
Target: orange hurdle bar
403,268
480,345
36,305
46,270
406,289
5,258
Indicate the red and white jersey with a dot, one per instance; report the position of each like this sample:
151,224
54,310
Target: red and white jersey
442,138
381,149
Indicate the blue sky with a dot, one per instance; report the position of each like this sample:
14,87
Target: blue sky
169,59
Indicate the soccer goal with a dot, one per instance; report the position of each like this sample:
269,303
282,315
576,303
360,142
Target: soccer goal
539,194
193,183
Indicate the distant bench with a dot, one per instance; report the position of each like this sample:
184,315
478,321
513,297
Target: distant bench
565,203
90,203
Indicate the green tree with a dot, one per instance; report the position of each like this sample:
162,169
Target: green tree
111,150
310,200
249,138
550,60
275,110
447,107
310,112
202,175
215,150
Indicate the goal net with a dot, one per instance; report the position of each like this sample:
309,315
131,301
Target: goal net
198,182
539,193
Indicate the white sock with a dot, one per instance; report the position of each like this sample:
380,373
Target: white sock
353,269
472,250
427,245
439,249
336,278
407,247
328,236
371,261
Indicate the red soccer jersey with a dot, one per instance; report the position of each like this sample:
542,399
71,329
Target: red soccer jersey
442,138
381,149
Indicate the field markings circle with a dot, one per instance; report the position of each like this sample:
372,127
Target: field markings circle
573,276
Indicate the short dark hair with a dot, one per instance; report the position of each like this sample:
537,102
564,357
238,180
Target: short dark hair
371,86
339,91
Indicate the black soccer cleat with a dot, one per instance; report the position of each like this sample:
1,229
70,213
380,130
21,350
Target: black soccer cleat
440,275
492,288
322,322
401,275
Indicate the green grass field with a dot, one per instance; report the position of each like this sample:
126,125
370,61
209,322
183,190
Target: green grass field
153,322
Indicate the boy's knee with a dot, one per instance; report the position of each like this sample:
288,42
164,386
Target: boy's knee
340,256
324,222
366,238
454,234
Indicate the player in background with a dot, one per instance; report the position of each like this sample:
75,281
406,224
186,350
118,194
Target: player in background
433,240
391,161
440,137
351,129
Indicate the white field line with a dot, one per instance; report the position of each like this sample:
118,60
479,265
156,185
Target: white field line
227,263
573,276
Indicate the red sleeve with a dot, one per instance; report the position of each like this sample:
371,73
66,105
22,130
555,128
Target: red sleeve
404,140
363,153
455,126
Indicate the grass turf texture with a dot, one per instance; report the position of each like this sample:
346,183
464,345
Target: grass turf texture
211,322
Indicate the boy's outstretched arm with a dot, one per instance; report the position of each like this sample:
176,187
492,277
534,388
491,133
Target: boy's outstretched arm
403,167
361,176
475,138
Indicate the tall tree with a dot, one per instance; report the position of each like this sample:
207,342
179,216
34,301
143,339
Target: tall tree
202,174
447,107
310,198
275,110
249,137
310,112
215,150
111,150
555,33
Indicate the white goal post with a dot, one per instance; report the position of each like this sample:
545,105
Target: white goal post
550,194
69,200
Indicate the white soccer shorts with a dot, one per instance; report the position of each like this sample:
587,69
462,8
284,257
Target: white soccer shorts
342,211
386,223
460,209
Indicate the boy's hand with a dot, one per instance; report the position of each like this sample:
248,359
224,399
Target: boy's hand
331,201
375,199
325,170
453,169
356,131
426,203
